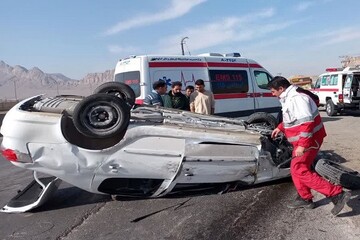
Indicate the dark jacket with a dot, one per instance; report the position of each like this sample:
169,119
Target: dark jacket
179,101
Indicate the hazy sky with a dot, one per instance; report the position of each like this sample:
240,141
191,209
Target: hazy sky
76,37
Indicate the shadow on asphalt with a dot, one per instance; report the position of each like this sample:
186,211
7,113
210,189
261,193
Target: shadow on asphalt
352,113
331,119
71,197
225,188
75,197
354,204
331,155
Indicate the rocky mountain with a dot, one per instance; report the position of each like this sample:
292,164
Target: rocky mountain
18,82
98,78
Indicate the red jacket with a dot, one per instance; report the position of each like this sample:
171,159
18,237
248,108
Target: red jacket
302,123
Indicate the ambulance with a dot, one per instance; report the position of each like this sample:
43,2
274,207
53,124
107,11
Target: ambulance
338,89
239,84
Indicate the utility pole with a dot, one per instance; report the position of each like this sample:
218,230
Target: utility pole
182,45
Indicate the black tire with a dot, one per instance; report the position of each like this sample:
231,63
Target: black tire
337,174
330,108
263,119
101,116
118,89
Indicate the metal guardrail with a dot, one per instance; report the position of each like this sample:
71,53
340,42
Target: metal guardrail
2,115
6,105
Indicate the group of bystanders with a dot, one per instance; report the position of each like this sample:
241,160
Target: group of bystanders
196,99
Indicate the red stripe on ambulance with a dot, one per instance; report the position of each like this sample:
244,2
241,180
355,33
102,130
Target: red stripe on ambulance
230,95
203,64
325,90
241,95
177,64
233,65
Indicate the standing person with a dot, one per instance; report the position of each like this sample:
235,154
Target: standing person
166,100
178,99
303,127
155,98
202,101
188,91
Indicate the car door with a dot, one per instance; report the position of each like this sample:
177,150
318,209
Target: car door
232,91
145,166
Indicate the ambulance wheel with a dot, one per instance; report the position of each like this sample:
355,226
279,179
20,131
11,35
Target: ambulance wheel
337,174
262,119
101,116
330,108
118,89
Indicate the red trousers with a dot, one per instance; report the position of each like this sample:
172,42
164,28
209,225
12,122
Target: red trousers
305,179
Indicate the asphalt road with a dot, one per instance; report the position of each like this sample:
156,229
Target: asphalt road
76,214
248,213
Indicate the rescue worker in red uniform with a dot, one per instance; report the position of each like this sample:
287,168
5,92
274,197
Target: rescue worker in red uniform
303,128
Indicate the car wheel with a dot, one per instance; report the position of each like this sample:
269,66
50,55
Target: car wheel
330,108
101,116
118,89
337,174
262,119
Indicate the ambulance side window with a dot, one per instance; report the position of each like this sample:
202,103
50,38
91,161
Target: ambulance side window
333,80
325,80
229,81
262,79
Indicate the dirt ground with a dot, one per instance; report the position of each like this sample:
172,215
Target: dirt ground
342,143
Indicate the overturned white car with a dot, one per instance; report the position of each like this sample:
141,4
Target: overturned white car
105,144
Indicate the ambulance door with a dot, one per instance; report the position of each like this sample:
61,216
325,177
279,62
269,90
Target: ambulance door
130,72
232,91
349,88
325,91
264,100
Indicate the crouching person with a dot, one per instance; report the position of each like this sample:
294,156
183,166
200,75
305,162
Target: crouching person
303,127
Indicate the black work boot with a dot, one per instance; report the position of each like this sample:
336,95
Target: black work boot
301,203
339,201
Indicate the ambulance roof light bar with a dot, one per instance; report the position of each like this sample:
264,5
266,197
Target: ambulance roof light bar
334,69
234,54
